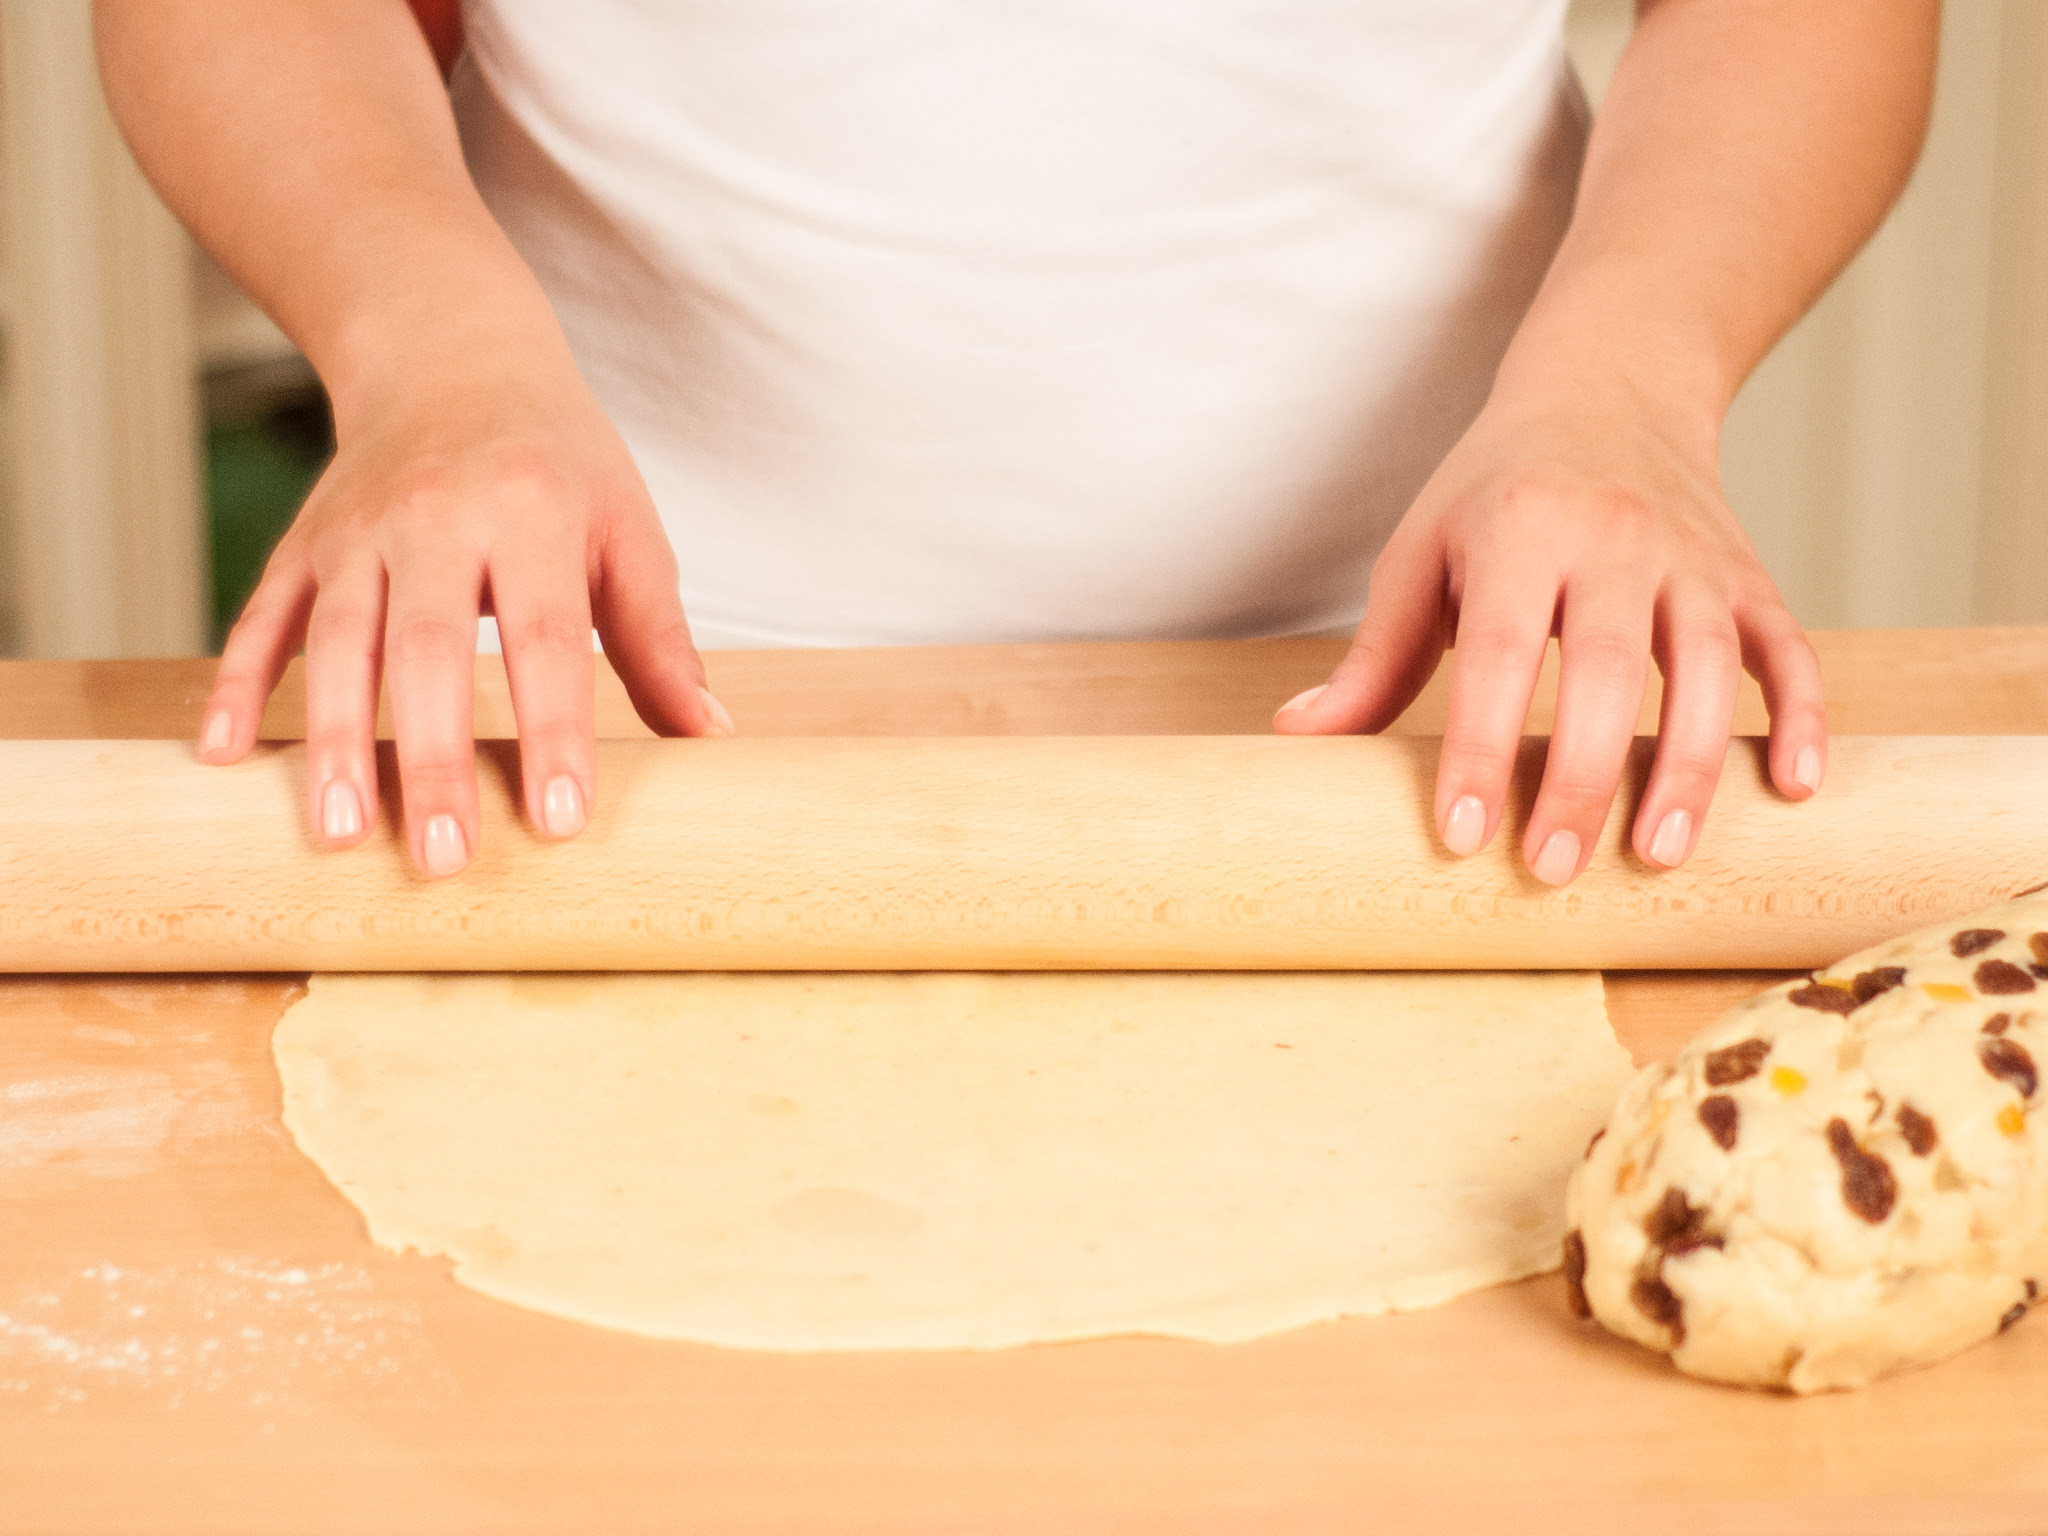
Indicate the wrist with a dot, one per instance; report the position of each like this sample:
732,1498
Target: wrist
438,327
1607,344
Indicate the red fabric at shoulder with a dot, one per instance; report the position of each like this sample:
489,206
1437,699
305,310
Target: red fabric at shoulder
441,23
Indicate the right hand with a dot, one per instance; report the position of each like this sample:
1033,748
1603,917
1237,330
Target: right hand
491,483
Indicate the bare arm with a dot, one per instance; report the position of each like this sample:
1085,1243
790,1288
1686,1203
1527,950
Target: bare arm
1745,149
311,148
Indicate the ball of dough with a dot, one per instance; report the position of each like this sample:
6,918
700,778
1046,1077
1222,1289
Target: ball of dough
1841,1179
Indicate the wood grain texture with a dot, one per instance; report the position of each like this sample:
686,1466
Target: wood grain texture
195,1335
979,853
1887,682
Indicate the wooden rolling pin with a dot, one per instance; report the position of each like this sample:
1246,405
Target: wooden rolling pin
1013,853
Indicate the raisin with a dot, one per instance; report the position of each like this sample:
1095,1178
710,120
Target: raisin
1997,978
2013,1314
1722,1117
2011,1062
1972,940
2033,1290
1868,1187
2039,945
1674,1213
1733,1063
1575,1274
1595,1141
1677,1226
1826,999
1660,1304
1871,983
1918,1129
1998,1024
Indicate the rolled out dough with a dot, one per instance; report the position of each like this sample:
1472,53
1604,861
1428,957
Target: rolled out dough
825,1162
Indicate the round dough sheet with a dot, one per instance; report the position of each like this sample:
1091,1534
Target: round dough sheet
826,1162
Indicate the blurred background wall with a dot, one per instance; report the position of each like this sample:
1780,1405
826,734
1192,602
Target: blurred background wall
156,432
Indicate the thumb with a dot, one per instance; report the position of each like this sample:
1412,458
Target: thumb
1399,642
639,618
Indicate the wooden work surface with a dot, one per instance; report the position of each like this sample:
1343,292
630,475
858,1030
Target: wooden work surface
195,1334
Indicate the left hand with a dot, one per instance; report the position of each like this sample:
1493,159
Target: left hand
1588,514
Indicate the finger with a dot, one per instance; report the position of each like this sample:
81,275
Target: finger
1603,665
1700,656
258,649
430,669
1398,645
1504,624
543,607
344,650
1776,652
639,616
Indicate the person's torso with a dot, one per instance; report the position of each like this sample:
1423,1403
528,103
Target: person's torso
1028,319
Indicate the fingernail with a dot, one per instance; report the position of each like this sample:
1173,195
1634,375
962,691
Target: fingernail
341,812
218,732
1303,699
443,850
1465,826
1673,832
721,722
1806,769
1557,859
561,807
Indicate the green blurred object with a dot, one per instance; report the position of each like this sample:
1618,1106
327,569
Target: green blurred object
258,471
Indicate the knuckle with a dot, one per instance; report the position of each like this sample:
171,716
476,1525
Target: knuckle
1493,645
337,754
340,624
1811,713
433,767
1394,563
555,740
270,601
1621,513
1491,759
1526,502
670,638
551,629
1606,650
1580,784
1709,645
426,485
430,638
526,479
1368,653
1773,625
237,684
1692,765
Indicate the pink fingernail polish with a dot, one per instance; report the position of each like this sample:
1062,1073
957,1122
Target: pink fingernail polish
1303,699
218,734
721,722
1465,826
1558,859
341,812
443,849
1806,769
561,807
1674,833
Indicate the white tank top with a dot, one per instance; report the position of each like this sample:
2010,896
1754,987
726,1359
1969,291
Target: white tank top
936,321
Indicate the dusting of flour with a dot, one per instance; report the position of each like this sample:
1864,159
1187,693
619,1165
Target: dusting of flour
237,1332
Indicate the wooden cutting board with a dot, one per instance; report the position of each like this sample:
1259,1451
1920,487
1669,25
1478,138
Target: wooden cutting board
197,1336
